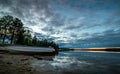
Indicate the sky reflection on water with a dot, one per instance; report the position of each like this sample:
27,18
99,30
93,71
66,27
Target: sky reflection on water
79,63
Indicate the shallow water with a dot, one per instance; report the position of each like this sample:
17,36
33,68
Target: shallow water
79,63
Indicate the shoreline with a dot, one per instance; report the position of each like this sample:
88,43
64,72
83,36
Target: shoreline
34,64
19,63
28,50
97,51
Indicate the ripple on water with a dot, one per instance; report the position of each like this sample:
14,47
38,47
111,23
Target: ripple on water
77,64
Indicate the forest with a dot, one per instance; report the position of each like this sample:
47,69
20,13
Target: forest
13,32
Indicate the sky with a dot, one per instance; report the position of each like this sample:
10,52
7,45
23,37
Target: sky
70,23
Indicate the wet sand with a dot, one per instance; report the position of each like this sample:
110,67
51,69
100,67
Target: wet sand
11,63
15,64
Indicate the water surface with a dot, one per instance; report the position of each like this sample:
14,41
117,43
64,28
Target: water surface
80,63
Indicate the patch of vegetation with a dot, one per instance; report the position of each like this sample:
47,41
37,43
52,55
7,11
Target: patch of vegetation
65,49
3,45
12,29
113,49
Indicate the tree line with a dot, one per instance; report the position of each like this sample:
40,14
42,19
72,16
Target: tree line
12,28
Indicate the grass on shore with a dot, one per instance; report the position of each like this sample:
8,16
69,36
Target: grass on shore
65,49
3,45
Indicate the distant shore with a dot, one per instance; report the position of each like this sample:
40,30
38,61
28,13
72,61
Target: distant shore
97,51
105,50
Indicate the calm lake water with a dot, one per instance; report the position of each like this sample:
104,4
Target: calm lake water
80,63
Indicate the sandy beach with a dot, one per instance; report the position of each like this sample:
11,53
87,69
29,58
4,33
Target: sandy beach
15,64
11,63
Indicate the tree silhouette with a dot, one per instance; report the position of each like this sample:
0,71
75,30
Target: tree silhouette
6,22
16,27
21,36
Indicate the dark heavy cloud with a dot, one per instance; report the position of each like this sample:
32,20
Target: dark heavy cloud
108,38
5,2
92,5
56,21
72,22
32,12
24,7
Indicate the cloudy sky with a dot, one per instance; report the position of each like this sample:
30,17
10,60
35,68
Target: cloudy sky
70,23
